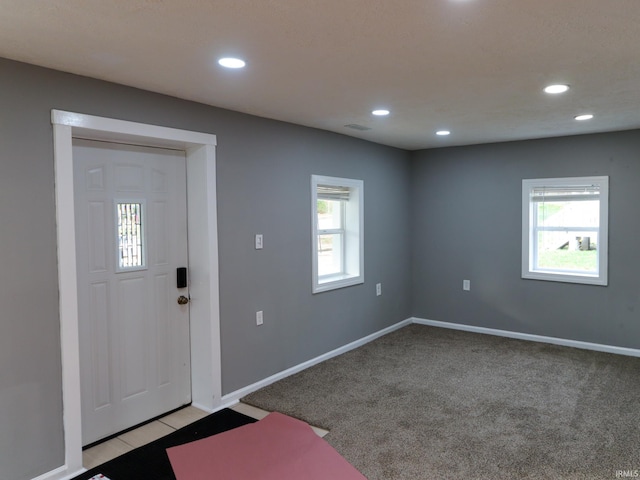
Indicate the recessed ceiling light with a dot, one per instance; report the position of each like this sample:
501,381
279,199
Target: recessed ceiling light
443,133
230,62
556,88
381,112
586,116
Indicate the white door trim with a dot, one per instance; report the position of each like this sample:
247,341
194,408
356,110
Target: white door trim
203,259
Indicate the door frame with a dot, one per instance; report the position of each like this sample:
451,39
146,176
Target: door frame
206,377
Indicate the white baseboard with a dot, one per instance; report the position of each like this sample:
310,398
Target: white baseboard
53,474
631,352
61,473
233,397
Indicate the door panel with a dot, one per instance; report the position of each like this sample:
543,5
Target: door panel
134,347
98,322
131,235
97,218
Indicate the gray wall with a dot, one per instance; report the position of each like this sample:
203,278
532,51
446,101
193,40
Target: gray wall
432,219
268,192
264,170
466,217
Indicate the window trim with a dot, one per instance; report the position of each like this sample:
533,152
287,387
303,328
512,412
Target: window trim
528,272
353,235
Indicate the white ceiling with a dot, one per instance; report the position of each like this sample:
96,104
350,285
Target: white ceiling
475,67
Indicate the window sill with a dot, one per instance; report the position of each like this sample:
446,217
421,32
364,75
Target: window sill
585,279
332,282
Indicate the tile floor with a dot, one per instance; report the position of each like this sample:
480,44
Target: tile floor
115,447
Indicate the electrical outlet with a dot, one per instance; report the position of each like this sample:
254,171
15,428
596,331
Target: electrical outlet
259,243
466,285
259,318
378,289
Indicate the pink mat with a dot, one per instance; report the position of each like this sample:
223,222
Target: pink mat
277,447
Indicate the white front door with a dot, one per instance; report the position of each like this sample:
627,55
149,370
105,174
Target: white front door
131,236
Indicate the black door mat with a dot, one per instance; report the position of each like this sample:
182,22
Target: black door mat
151,461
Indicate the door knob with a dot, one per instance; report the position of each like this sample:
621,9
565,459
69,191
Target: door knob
182,300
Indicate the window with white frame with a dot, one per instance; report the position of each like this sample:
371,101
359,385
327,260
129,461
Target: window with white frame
564,229
337,231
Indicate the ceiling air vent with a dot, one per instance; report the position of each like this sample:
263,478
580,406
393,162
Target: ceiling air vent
355,126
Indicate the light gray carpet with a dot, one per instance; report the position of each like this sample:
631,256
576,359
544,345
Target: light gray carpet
429,403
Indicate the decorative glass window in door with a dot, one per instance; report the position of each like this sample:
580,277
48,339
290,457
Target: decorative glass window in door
130,236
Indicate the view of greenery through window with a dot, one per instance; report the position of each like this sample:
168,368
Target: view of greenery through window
330,243
567,235
565,259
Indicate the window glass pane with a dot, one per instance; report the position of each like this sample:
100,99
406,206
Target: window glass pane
329,214
129,217
569,214
330,254
573,251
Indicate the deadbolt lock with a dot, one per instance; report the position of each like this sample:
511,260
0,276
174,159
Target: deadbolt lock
182,300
